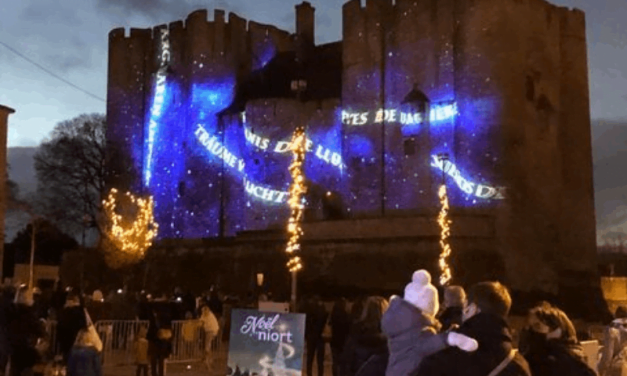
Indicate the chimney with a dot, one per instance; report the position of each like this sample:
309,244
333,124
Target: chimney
4,117
305,22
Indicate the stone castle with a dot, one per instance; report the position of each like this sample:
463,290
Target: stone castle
499,88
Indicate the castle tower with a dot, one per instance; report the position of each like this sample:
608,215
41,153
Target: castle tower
517,73
4,118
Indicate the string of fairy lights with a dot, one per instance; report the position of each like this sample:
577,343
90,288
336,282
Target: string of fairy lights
131,236
295,201
445,232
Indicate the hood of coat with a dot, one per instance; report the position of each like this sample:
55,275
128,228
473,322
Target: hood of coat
402,317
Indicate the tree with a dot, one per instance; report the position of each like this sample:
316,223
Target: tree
50,243
70,168
128,226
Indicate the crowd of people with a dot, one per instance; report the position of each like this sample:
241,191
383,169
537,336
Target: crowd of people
469,335
56,335
412,335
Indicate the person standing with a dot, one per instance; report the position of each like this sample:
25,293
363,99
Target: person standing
71,320
140,349
24,333
210,327
451,316
316,319
484,319
412,329
159,338
366,350
340,323
614,354
553,348
84,357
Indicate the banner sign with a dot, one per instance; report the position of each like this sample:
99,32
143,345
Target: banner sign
266,343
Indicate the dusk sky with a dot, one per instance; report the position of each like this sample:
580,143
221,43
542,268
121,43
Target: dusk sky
69,38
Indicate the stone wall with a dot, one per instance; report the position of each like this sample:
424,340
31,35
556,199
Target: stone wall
340,257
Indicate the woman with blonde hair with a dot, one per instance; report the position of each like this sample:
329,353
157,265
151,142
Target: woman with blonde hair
366,351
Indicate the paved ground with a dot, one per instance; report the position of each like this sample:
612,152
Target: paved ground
196,368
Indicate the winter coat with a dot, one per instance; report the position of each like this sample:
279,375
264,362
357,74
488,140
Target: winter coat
412,336
614,354
340,328
23,332
210,324
364,344
451,316
495,344
160,322
315,321
71,320
555,357
140,350
84,361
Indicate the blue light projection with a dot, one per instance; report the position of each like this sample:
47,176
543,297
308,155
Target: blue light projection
437,113
157,107
466,185
214,174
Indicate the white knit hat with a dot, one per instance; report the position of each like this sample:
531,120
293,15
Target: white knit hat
422,294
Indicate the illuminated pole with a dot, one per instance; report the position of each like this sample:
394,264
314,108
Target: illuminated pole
298,147
445,229
297,207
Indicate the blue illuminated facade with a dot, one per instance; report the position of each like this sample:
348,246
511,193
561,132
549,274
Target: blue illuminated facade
218,119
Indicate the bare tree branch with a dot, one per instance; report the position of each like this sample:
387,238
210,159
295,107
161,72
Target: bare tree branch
70,171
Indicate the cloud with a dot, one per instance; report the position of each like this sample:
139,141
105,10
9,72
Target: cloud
162,10
45,11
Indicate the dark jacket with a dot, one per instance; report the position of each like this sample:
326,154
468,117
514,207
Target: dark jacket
556,357
71,320
315,321
340,328
451,316
84,361
495,344
23,332
364,344
159,321
412,336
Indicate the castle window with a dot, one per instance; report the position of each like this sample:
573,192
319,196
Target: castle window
409,146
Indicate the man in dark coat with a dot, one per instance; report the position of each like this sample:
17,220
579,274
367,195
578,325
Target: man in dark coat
484,320
315,322
71,320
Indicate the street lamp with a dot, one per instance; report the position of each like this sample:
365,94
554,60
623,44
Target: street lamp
443,157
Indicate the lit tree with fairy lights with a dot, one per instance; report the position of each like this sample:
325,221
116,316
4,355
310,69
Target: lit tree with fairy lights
127,236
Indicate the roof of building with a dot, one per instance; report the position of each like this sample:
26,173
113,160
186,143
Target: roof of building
7,109
322,71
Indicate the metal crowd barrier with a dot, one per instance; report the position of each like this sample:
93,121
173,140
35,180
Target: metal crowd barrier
118,336
188,343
